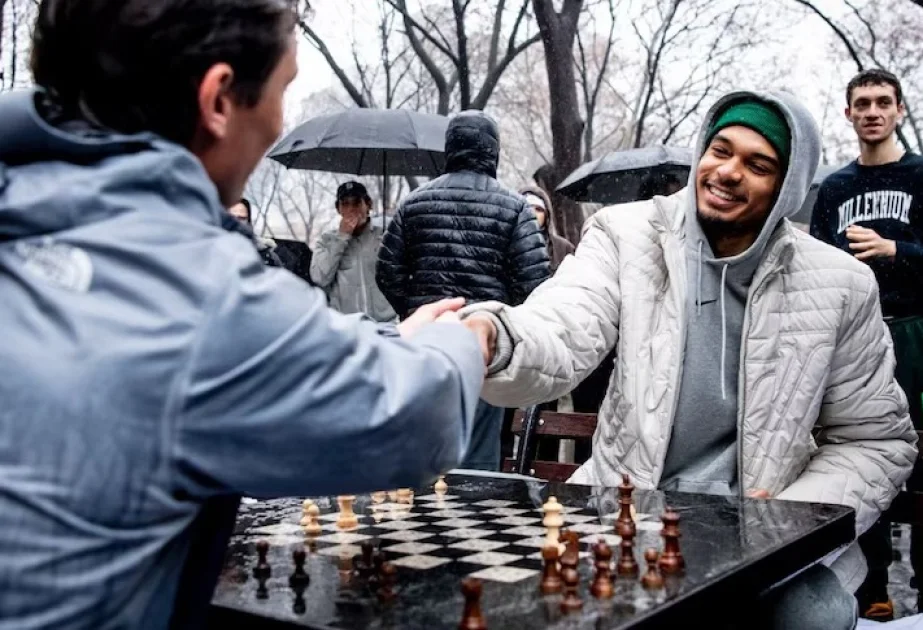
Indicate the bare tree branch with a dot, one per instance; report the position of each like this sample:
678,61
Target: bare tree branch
435,73
354,93
461,37
512,51
495,36
836,29
412,24
653,68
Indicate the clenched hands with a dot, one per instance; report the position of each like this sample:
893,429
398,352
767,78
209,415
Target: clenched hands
442,311
486,333
868,244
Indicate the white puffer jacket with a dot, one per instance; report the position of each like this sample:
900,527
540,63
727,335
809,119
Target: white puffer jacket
814,352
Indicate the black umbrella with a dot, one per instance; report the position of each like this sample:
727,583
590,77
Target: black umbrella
630,175
363,141
807,208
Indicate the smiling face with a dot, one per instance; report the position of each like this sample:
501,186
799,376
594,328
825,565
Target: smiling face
737,180
874,112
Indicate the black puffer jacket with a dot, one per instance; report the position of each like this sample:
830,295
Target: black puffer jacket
463,234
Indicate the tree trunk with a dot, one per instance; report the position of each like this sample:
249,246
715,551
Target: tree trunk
558,31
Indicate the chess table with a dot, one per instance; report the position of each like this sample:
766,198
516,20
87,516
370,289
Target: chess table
491,528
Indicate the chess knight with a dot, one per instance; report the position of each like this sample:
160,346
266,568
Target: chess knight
735,334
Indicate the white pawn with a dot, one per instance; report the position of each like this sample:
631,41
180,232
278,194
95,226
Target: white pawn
441,486
553,521
347,518
310,512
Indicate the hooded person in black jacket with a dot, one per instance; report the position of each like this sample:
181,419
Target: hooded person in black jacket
465,235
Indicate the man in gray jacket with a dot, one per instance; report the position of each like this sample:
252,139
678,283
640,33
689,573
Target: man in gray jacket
152,369
344,259
735,336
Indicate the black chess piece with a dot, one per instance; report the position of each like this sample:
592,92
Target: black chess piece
378,561
625,525
262,571
299,577
472,616
365,564
299,606
671,560
602,580
551,577
387,579
571,579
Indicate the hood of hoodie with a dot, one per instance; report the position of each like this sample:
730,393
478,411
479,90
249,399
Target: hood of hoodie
472,143
802,163
549,209
40,148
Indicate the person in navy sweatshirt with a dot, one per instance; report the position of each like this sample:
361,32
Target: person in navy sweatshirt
873,208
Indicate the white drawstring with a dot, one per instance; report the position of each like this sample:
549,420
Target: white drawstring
724,331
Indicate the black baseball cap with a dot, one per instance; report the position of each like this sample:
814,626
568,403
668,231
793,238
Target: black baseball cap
351,189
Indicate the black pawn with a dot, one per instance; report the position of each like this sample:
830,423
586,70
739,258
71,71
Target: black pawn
378,561
299,578
387,579
262,571
365,564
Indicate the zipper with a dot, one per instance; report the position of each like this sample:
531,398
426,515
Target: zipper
741,372
671,418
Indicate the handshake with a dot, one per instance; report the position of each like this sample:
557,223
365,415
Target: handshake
446,312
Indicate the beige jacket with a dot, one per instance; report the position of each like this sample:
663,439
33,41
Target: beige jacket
814,352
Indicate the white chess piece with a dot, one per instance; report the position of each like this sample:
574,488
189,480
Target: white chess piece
441,486
553,520
347,518
310,512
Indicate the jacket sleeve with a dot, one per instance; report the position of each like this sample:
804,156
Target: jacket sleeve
528,262
285,397
326,258
866,444
391,271
566,327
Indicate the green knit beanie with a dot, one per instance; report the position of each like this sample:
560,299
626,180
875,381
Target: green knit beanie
762,118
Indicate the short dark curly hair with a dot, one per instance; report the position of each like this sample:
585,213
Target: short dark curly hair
874,76
136,65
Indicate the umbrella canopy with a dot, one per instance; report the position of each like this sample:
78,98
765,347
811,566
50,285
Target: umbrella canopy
364,141
807,208
630,175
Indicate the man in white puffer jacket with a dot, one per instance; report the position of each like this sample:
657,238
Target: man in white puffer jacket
735,336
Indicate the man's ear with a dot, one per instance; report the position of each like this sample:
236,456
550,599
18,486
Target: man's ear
215,101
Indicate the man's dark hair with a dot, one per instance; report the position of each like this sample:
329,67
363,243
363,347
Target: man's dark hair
136,65
875,76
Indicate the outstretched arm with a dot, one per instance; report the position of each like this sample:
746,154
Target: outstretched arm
546,346
286,397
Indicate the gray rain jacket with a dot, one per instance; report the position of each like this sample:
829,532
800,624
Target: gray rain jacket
151,363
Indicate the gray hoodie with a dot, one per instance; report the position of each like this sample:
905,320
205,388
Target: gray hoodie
704,453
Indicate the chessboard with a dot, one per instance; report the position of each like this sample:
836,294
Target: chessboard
422,558
492,539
